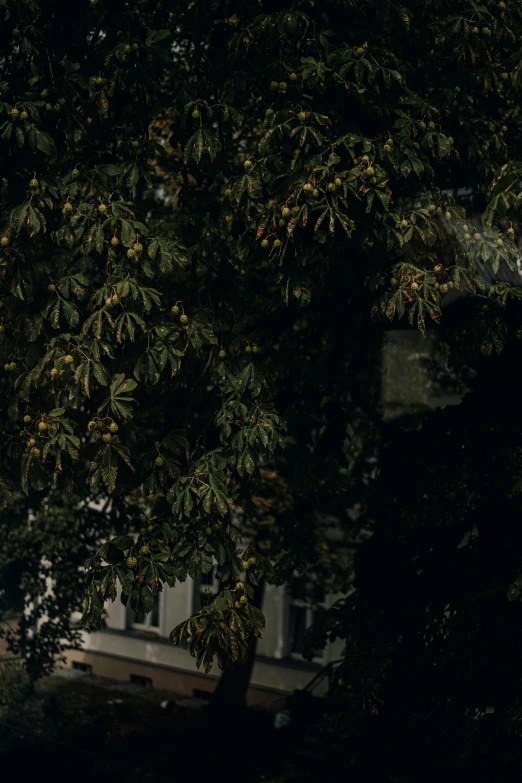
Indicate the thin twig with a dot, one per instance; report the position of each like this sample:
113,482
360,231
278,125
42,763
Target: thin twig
50,66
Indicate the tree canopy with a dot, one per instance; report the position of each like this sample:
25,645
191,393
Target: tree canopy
209,214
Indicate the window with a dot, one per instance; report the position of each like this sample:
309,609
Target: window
82,667
303,590
149,621
301,613
199,694
140,680
203,586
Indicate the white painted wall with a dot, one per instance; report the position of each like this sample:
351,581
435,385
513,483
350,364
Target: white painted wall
269,644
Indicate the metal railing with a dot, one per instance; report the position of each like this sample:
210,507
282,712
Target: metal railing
320,685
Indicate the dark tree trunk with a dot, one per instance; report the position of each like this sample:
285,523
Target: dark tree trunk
232,688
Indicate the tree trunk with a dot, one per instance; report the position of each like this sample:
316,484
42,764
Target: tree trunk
232,688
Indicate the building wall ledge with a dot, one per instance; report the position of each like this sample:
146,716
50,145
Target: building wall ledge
117,650
153,637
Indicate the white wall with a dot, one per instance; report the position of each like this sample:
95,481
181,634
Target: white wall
273,643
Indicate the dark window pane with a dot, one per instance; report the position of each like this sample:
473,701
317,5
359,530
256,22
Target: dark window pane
139,618
298,587
154,620
297,628
199,694
207,579
143,682
318,653
303,590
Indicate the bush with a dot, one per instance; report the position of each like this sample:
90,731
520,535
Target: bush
21,709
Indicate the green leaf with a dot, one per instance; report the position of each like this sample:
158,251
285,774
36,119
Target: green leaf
17,217
100,373
132,176
109,468
71,313
128,235
44,142
200,143
6,493
119,400
154,36
98,237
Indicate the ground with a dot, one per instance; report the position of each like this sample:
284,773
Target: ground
117,731
105,730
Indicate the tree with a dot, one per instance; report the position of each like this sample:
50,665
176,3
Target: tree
433,629
178,348
46,541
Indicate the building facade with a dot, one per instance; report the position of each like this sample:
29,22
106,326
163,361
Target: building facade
136,647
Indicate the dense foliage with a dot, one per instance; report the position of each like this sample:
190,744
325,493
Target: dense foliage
45,541
209,212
